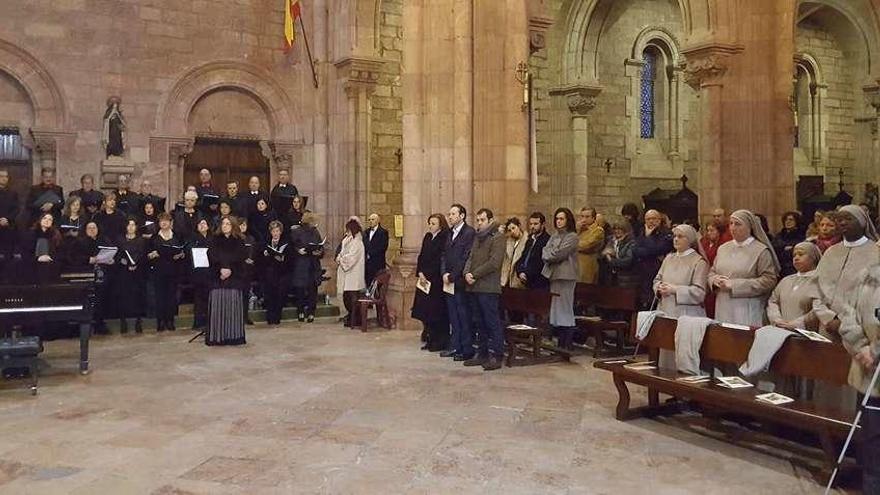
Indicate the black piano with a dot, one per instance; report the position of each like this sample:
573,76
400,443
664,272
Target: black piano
70,301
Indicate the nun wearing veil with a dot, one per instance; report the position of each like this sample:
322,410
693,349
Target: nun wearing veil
843,266
744,273
681,284
791,303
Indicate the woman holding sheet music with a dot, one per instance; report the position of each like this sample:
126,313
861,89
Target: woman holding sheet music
200,276
275,267
149,220
73,217
41,247
130,276
166,250
110,220
429,305
306,242
227,256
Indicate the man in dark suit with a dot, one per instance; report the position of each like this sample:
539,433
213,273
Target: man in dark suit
128,202
236,201
375,246
9,209
254,194
49,195
283,193
530,264
458,250
90,198
209,198
147,196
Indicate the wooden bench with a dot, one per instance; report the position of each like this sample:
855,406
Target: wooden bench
530,341
618,299
798,357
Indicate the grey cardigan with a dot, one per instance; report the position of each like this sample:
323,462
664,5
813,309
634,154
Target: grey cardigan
560,256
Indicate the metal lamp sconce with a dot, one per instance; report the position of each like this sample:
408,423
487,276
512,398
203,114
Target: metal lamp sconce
524,77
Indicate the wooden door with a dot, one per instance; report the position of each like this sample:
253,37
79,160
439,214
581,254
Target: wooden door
228,160
16,159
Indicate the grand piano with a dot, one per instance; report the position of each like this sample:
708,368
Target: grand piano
31,307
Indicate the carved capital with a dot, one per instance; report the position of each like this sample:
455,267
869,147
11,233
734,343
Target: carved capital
580,98
282,154
705,65
872,95
359,74
538,27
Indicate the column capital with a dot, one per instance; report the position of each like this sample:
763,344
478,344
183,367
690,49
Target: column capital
581,98
706,64
359,73
538,26
872,95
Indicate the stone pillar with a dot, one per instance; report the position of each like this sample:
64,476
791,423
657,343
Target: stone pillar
168,154
581,99
704,71
48,148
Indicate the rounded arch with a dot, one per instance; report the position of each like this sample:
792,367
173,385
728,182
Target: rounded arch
585,22
862,16
173,115
810,66
50,110
659,37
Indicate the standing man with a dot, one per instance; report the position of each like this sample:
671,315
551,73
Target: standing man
283,193
253,195
375,246
591,241
147,196
482,273
9,210
722,219
45,197
530,265
648,253
236,202
90,198
209,198
458,250
126,201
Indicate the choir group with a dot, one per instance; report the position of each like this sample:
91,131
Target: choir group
226,247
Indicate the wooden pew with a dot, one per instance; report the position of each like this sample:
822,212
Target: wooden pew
619,299
526,346
798,357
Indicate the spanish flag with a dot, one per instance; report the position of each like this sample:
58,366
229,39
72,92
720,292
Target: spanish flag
291,14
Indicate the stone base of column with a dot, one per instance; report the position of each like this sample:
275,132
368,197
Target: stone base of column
402,291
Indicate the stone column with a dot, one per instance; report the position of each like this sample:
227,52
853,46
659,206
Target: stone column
704,71
48,149
581,100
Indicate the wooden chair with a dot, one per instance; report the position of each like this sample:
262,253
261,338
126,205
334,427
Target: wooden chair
536,304
378,300
621,300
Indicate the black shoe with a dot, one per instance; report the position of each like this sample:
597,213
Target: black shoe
123,325
475,361
492,364
171,325
461,357
424,347
301,317
249,321
448,353
138,326
160,325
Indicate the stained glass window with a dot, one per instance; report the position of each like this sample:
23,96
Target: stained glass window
647,93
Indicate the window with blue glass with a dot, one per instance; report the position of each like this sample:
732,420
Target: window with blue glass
647,93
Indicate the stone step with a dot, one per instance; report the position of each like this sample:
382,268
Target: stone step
324,313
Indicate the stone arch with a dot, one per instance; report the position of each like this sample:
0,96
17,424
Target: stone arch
668,43
50,110
585,21
863,17
173,114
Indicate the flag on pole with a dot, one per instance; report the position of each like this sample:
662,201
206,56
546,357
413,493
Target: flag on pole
292,12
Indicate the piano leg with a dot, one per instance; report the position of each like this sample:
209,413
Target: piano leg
85,330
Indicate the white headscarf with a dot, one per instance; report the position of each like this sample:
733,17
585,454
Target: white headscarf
864,220
754,223
692,236
811,250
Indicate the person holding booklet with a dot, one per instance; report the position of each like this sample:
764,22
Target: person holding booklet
429,304
275,264
149,220
309,248
350,273
166,250
200,273
130,277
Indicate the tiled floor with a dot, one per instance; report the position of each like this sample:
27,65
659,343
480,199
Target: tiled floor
318,409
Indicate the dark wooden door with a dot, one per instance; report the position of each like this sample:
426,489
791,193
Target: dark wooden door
228,160
16,159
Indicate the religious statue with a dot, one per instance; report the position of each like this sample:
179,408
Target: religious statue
113,137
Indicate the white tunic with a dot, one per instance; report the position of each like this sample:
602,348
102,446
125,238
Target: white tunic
689,274
749,266
792,301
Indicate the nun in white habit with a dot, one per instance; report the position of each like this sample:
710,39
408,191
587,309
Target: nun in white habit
682,282
744,273
791,303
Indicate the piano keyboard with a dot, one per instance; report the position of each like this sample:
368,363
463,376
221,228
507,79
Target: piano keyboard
6,311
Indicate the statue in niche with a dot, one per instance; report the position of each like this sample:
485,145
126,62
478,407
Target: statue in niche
113,137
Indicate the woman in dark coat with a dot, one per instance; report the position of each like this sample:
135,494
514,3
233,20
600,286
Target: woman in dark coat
792,233
130,276
250,247
166,251
259,221
430,308
40,251
83,257
110,220
200,278
309,248
293,218
149,220
227,255
276,263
